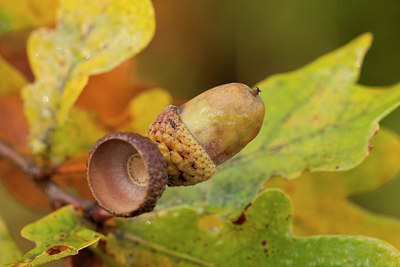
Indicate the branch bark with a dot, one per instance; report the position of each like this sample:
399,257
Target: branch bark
23,162
57,195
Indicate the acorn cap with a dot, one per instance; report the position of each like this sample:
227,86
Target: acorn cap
126,173
188,162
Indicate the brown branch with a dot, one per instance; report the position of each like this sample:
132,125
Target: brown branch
76,168
23,162
57,195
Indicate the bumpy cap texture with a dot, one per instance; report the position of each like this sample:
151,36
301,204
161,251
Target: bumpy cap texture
188,162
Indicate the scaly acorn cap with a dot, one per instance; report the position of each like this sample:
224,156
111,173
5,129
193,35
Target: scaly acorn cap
206,131
188,162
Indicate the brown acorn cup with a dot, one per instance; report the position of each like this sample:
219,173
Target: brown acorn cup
126,173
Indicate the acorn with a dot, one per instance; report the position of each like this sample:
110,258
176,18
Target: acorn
127,173
206,131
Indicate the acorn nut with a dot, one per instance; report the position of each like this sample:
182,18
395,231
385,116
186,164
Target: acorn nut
206,131
126,173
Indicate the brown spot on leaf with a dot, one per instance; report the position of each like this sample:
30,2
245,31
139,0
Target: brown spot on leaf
375,133
264,242
370,147
242,218
56,249
288,217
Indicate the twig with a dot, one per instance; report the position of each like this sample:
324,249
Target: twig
55,194
23,162
58,195
76,168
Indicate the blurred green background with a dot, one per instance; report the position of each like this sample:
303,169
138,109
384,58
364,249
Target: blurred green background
201,44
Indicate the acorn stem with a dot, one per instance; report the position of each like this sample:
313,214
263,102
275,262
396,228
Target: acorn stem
255,92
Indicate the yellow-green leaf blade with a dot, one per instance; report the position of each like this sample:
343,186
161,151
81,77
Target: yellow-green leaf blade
317,118
321,201
59,234
261,237
88,39
8,249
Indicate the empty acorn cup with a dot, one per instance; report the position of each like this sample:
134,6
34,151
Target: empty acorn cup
126,173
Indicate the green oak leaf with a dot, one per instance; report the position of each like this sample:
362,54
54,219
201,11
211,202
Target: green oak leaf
9,251
26,14
317,119
261,236
88,39
320,200
11,80
57,235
